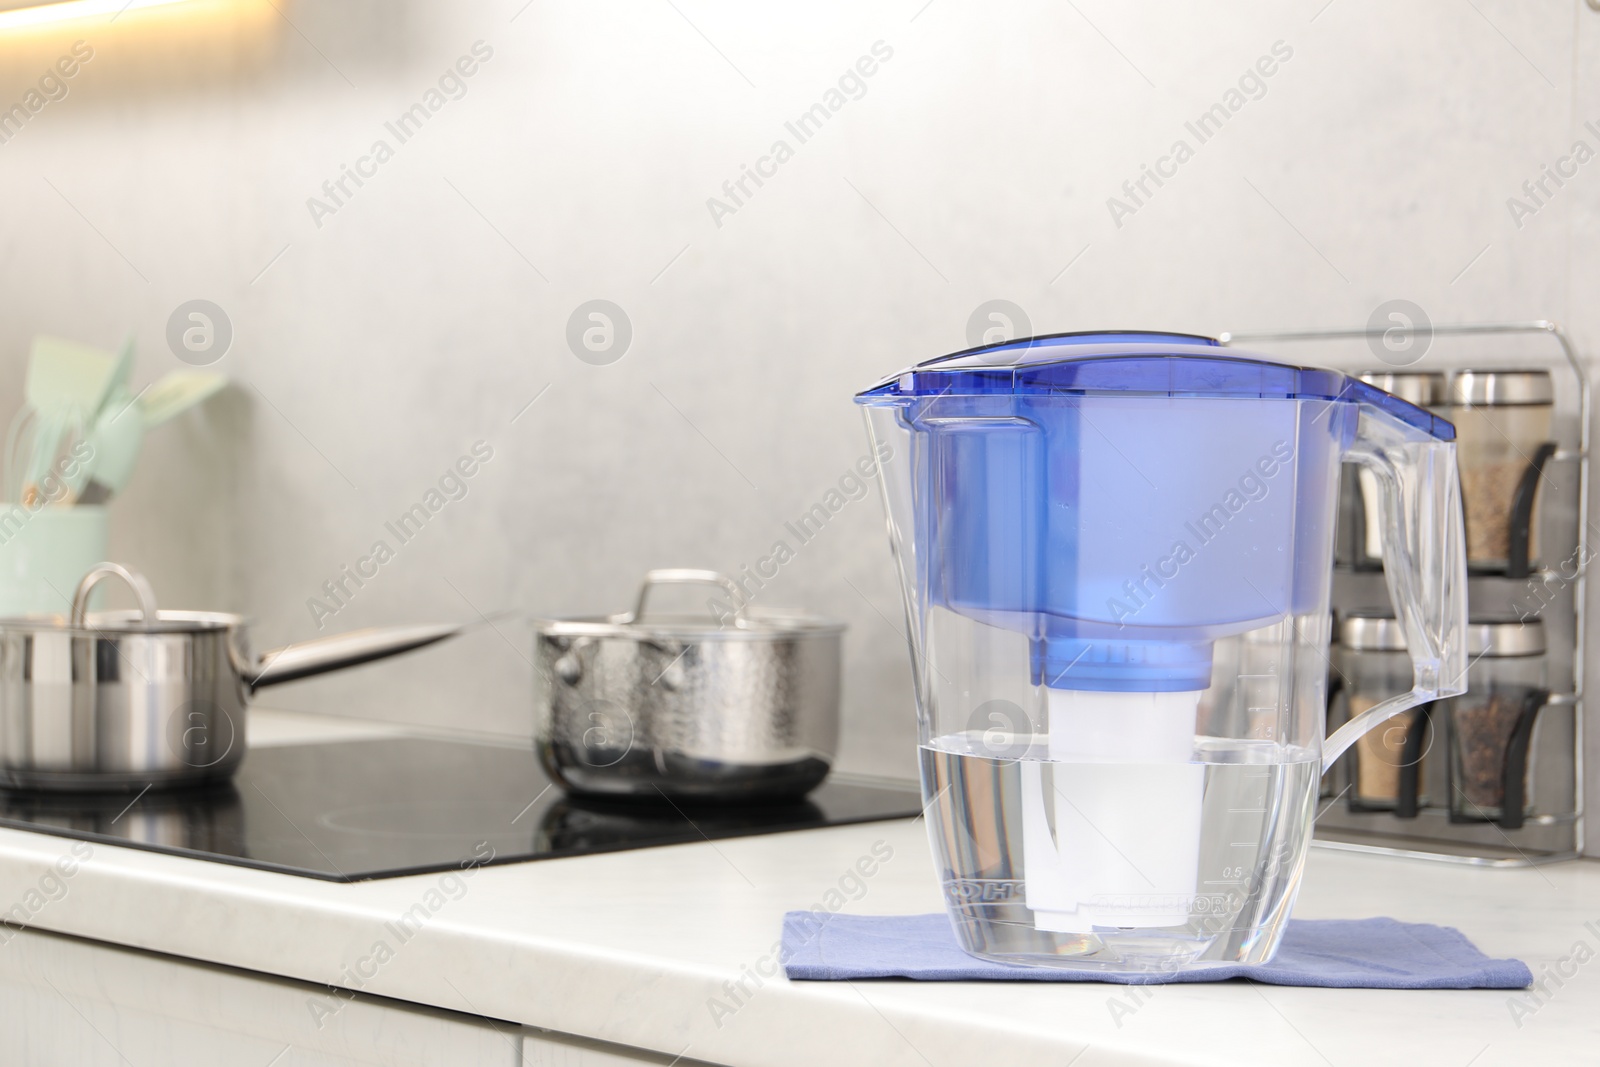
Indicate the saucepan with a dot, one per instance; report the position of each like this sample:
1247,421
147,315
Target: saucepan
122,700
728,706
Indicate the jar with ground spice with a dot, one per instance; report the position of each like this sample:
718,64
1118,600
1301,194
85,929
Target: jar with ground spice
1491,725
1502,419
1377,667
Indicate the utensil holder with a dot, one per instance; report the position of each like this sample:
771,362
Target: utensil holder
44,553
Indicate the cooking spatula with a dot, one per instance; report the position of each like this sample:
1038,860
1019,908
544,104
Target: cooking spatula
67,384
177,393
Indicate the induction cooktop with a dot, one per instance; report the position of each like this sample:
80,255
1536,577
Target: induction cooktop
354,810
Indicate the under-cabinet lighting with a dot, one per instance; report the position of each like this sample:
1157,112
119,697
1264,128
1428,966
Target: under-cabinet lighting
35,14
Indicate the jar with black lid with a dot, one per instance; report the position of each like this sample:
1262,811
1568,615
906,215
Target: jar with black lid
1491,724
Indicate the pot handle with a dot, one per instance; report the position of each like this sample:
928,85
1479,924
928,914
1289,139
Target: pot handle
130,577
334,653
686,576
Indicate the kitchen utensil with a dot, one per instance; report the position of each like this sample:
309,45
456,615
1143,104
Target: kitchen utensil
45,478
1491,724
50,428
129,699
114,445
121,371
19,439
120,432
113,436
67,384
176,393
1502,418
1080,521
688,707
65,374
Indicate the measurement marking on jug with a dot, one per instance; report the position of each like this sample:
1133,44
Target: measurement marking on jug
1246,811
1243,844
1220,881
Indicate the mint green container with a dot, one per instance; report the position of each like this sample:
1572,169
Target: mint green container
45,553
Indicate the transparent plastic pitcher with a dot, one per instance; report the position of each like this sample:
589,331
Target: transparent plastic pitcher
1116,551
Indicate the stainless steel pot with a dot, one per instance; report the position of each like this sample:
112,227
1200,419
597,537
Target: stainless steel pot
129,699
686,707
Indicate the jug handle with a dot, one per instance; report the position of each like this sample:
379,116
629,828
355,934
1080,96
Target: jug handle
1424,560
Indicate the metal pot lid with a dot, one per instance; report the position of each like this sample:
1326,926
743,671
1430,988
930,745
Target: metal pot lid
146,618
754,627
127,622
1508,635
1425,389
1501,388
726,621
1372,631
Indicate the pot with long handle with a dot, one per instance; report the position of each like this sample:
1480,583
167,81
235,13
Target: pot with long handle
128,699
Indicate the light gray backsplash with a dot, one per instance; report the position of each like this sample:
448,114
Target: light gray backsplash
428,311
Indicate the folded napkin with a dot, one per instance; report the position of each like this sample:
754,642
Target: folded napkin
1360,953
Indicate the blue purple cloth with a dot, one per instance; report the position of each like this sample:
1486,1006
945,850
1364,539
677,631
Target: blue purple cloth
1373,953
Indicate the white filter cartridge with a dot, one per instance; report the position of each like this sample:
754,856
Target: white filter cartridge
1111,822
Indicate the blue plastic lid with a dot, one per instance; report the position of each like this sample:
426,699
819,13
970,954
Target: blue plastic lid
1136,361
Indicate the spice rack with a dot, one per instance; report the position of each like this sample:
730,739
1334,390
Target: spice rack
1426,818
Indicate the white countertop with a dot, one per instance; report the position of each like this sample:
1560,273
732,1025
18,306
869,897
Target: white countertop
632,947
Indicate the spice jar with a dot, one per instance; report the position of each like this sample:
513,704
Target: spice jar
1491,724
1425,390
1502,420
1377,667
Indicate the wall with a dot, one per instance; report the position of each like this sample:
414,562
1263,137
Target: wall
374,345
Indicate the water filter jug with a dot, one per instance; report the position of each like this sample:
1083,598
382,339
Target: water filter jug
1116,554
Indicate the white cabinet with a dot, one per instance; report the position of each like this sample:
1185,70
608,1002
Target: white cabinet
75,1003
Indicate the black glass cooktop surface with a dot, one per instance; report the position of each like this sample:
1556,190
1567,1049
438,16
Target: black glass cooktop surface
352,810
